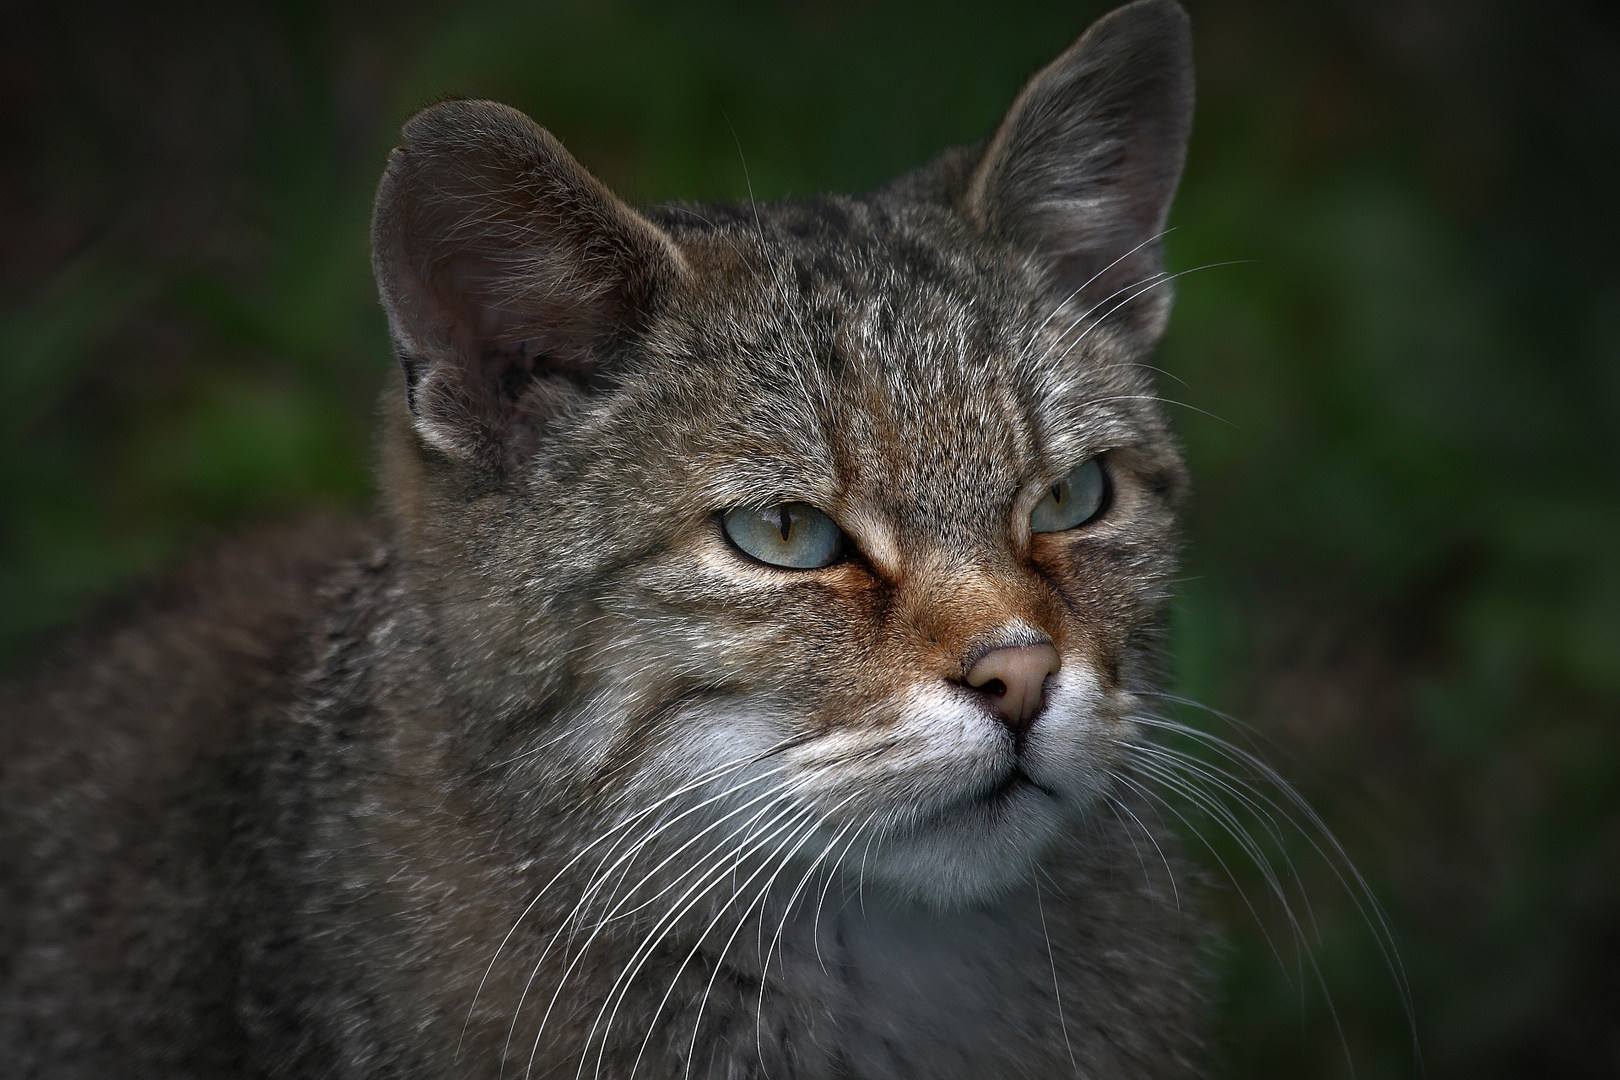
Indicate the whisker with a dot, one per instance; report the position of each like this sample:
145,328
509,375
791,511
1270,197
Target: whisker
1152,796
1251,734
1119,805
790,821
742,920
1160,235
799,888
1149,367
699,782
585,898
1057,991
1207,785
815,926
1162,400
705,871
1334,855
1139,289
1213,808
1152,280
1252,800
787,912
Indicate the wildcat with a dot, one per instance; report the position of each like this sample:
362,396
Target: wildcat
740,681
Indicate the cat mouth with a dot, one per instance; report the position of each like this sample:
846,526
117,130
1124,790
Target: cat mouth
1011,786
996,799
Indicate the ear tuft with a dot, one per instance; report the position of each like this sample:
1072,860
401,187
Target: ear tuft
511,277
1084,166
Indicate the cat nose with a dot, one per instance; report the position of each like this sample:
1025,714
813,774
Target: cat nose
1013,678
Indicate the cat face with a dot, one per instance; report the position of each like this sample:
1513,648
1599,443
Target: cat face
936,395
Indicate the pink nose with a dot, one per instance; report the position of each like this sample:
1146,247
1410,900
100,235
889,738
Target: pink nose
1013,678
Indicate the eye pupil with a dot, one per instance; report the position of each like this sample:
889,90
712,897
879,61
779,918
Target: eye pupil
1072,501
794,535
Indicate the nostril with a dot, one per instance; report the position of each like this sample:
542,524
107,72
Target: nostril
1013,678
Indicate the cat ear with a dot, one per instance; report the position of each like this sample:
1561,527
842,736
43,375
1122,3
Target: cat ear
1083,168
511,278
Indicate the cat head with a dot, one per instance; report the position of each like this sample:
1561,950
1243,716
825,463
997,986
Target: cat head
857,508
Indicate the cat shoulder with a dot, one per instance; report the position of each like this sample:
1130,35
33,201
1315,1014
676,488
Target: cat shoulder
131,696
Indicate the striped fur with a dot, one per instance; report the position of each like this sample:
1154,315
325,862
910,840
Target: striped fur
542,776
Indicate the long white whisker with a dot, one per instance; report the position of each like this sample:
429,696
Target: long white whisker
1303,951
1234,828
1057,991
705,871
1159,398
788,820
1133,288
795,826
832,874
585,899
1149,794
1160,235
720,959
706,778
1334,855
1214,809
1141,288
797,889
590,889
1251,757
1118,805
1254,801
776,939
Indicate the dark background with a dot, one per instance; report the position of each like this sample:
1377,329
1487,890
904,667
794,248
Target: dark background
1404,415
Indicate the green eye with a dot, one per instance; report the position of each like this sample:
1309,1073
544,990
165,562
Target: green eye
1073,501
795,535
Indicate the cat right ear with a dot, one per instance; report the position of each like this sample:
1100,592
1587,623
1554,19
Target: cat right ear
511,277
1082,169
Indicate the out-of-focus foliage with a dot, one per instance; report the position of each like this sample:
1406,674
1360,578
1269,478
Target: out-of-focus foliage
1403,412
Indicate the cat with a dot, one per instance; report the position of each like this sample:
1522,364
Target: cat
741,679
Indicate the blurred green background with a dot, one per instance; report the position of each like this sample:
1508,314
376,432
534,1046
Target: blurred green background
1402,568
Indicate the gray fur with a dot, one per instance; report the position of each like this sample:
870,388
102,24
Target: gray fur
417,800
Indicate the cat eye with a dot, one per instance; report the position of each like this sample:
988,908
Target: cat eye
793,534
1072,501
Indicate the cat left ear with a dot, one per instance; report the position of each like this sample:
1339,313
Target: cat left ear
512,278
1084,166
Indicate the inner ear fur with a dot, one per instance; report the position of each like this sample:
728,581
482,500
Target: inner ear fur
511,278
1083,168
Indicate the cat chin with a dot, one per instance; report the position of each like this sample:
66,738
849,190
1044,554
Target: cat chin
985,843
971,855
